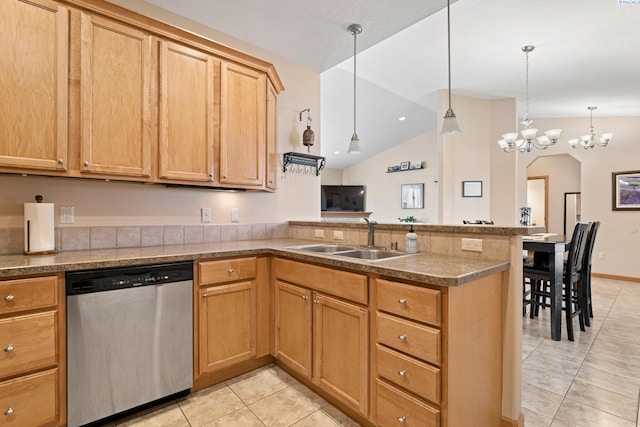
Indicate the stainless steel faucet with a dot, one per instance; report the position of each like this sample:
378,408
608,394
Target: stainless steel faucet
371,233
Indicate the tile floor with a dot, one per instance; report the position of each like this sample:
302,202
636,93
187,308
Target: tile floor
594,381
265,397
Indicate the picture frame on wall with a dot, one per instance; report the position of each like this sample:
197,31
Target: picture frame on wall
471,188
625,191
404,166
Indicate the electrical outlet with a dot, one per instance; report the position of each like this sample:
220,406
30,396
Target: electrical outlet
67,215
319,233
235,215
601,255
205,214
338,235
473,245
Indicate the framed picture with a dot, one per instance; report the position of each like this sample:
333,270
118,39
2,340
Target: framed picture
412,196
471,188
625,191
404,166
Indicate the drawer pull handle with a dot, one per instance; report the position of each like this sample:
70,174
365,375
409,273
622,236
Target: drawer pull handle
402,337
9,349
8,411
401,420
231,271
402,301
9,298
402,373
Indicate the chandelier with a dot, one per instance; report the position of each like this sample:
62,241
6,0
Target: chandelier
589,140
510,141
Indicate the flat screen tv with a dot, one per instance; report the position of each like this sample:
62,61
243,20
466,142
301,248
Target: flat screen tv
348,198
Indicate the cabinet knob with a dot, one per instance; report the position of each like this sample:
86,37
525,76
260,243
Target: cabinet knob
305,298
60,161
8,411
86,163
231,271
225,177
9,349
402,337
316,302
402,301
9,298
401,419
204,296
402,373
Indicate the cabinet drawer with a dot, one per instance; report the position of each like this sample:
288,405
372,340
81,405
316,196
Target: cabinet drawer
27,342
396,408
227,270
409,337
32,399
418,377
414,302
26,294
351,286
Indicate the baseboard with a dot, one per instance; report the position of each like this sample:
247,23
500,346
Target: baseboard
506,422
207,380
616,277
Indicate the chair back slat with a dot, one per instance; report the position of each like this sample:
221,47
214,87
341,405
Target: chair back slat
588,250
574,260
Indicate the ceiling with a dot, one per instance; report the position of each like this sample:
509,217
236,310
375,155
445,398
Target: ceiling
586,54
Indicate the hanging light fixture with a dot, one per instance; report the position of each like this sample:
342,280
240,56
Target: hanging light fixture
450,124
354,145
510,141
589,140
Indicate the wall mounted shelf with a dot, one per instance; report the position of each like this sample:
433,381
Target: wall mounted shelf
303,159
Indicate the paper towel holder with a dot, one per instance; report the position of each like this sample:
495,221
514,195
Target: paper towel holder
28,251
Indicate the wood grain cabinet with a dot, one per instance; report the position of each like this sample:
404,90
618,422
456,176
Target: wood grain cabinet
115,98
34,39
32,372
272,141
322,329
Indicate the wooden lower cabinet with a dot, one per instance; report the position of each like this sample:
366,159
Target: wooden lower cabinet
32,360
322,337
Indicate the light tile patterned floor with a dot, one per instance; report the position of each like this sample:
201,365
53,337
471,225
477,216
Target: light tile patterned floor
264,397
593,381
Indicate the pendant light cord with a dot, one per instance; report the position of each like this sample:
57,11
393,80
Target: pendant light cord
449,49
354,81
526,80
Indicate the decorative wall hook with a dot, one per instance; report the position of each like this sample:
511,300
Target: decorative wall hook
307,135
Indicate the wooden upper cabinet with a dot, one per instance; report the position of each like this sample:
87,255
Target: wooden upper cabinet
186,113
272,142
242,125
116,103
33,84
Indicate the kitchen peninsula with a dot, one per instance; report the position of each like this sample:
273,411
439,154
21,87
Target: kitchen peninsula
464,307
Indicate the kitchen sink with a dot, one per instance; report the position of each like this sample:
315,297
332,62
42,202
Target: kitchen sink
357,252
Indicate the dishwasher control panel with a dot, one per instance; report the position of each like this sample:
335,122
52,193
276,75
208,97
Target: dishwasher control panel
87,281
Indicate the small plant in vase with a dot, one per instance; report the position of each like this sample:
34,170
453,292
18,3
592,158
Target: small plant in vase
408,219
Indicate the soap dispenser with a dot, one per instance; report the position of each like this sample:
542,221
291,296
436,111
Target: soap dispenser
412,241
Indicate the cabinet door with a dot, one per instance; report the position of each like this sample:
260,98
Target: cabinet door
242,125
115,98
33,84
341,348
186,113
293,327
272,142
227,325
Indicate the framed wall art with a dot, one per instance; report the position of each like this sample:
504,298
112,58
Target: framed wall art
625,191
412,196
471,188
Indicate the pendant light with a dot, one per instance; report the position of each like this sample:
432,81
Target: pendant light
354,145
590,140
450,124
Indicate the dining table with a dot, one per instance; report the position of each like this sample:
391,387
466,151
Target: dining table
554,246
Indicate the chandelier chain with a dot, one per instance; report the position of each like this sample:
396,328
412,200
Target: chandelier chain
526,115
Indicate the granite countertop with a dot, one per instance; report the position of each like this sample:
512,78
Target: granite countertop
429,268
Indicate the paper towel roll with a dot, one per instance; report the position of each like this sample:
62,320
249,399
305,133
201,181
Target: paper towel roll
39,231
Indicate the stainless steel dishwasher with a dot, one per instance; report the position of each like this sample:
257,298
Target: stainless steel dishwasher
129,338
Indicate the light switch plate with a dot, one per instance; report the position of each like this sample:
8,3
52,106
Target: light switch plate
235,215
319,233
338,235
205,214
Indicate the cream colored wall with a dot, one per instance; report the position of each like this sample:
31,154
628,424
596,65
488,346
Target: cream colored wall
116,203
564,176
618,236
383,189
331,177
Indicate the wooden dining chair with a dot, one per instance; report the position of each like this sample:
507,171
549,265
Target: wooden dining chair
573,294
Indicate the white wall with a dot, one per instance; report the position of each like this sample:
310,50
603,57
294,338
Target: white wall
331,177
618,236
383,189
117,203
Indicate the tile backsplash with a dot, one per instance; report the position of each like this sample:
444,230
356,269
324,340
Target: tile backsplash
83,238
